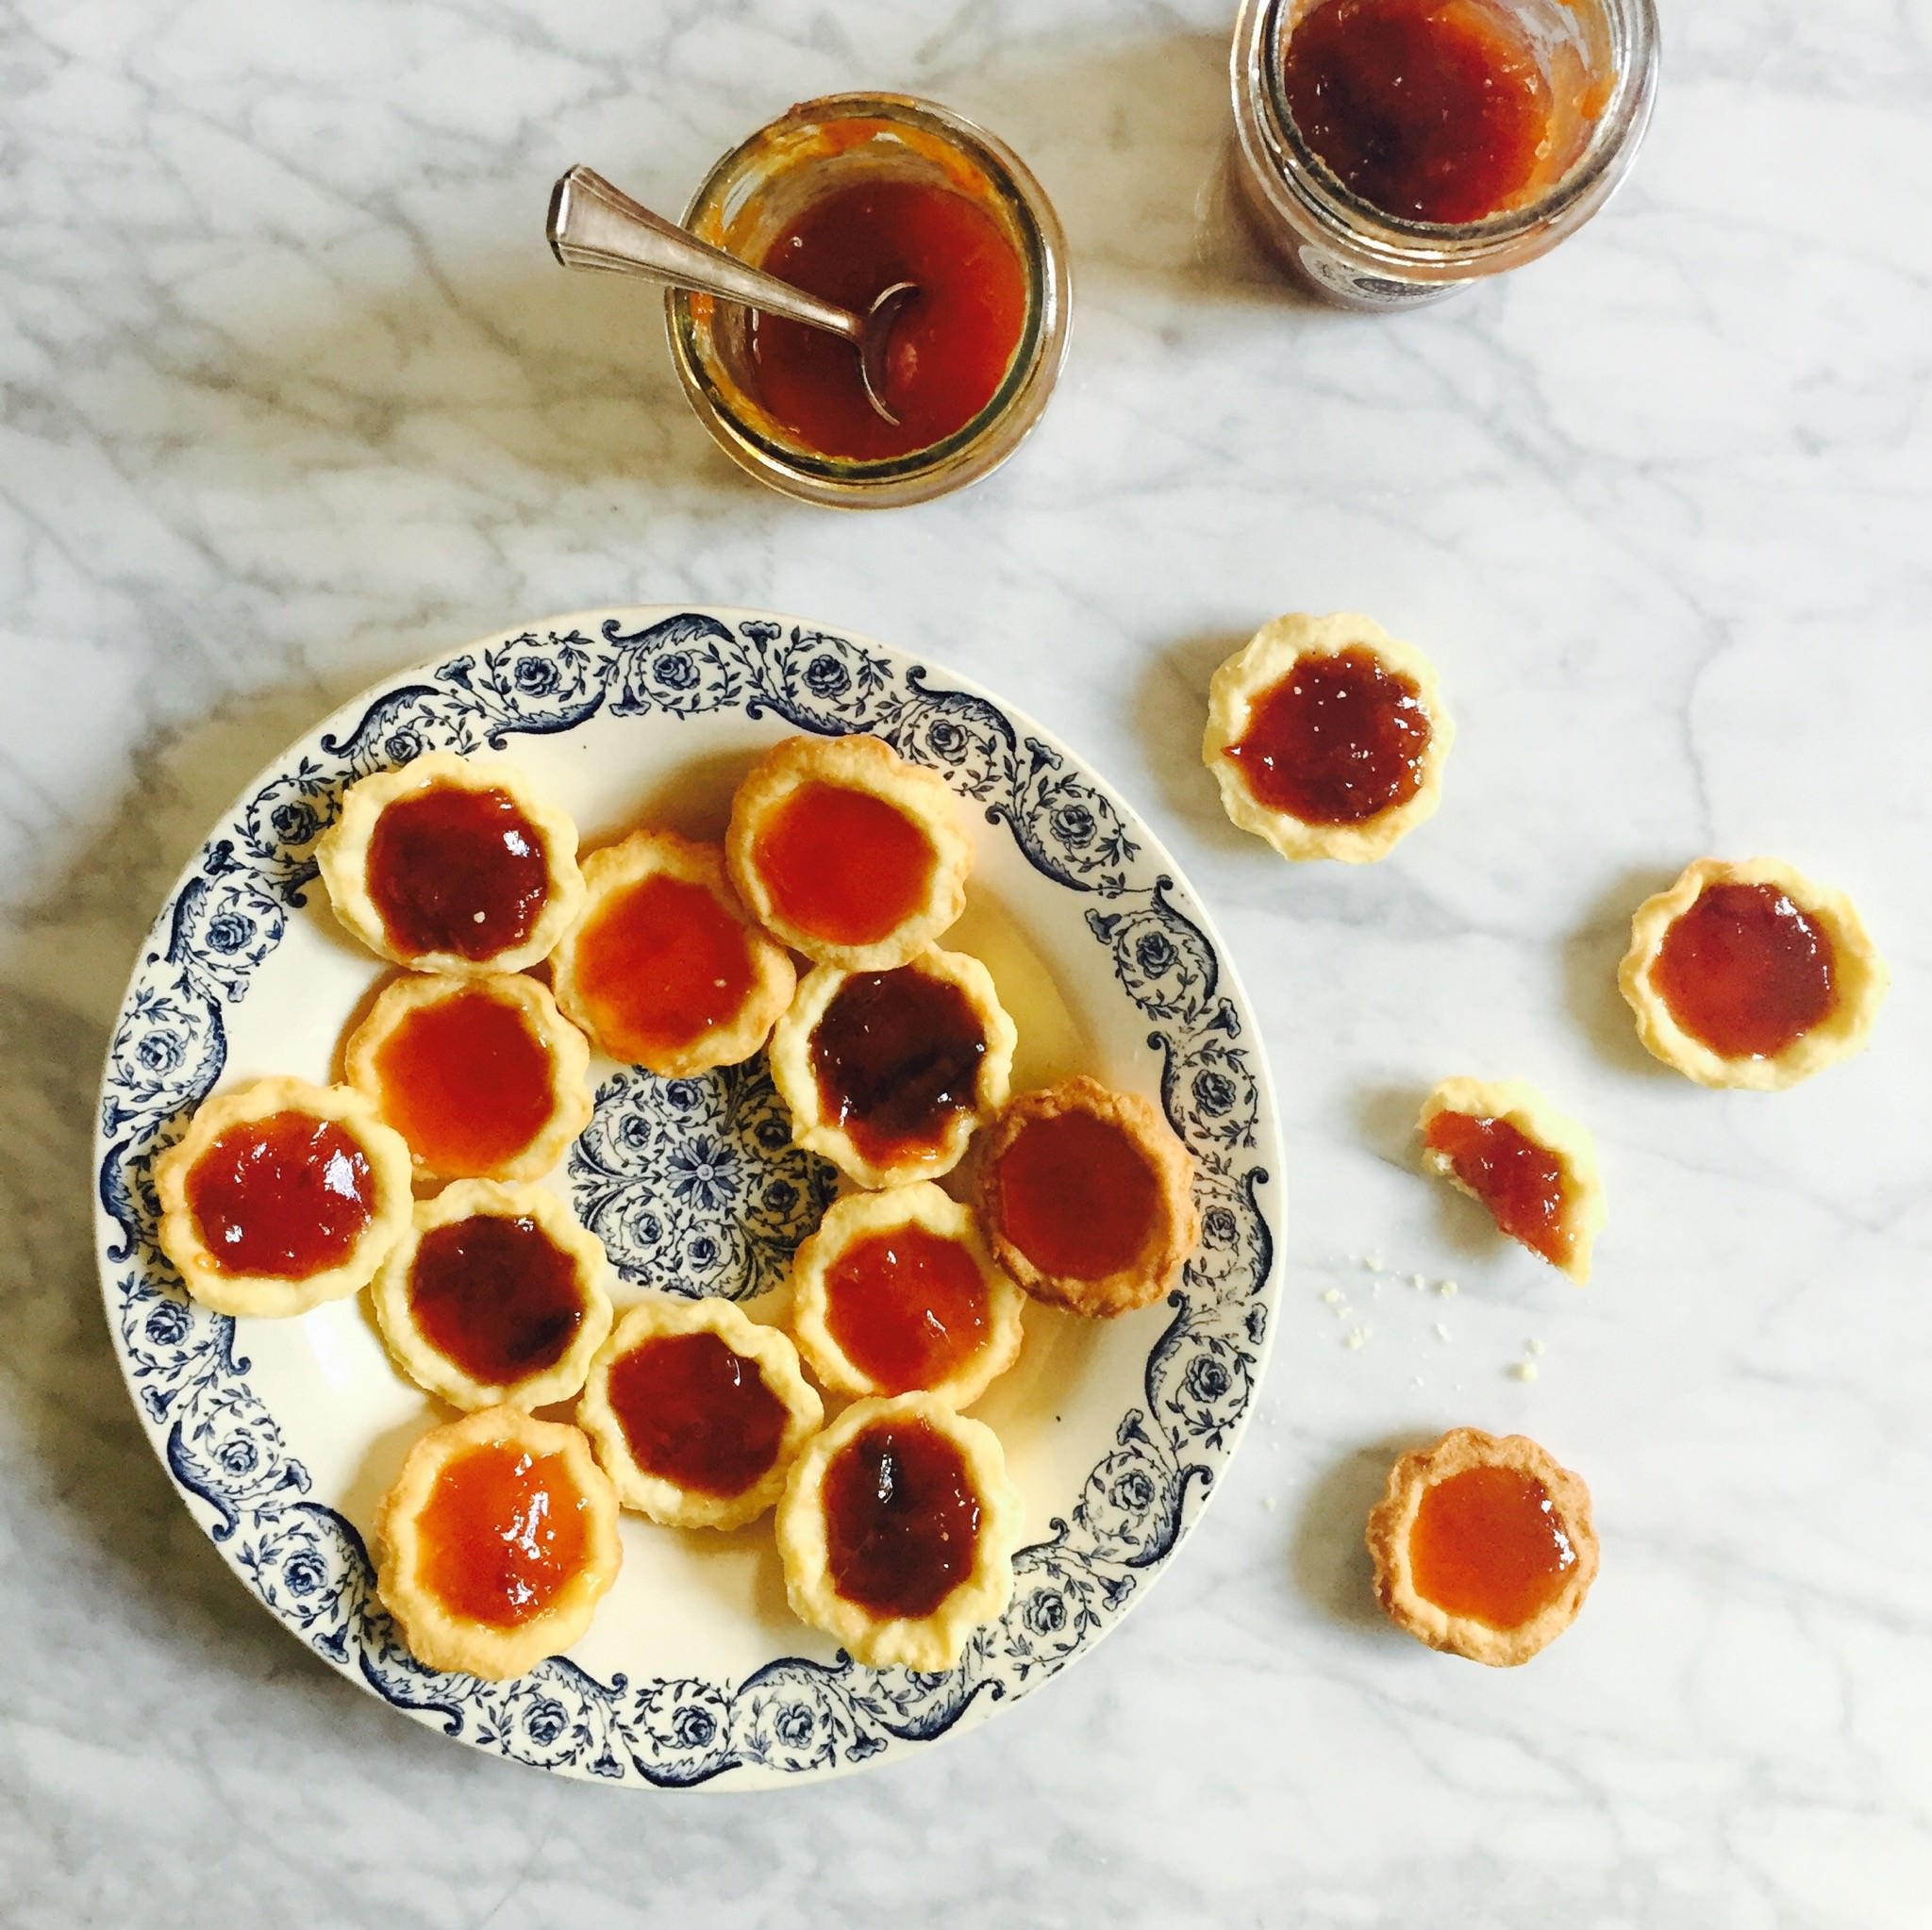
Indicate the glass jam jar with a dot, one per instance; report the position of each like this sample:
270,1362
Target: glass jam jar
1597,62
761,196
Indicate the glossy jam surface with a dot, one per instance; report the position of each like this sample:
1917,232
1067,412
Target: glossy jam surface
907,1307
466,1082
502,1532
1077,1197
1518,1181
950,347
660,964
902,1520
843,865
495,1297
1488,1543
897,1056
1337,741
286,1196
695,1413
1434,110
1745,971
454,870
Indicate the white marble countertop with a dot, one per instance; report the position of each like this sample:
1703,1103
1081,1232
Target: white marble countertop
291,394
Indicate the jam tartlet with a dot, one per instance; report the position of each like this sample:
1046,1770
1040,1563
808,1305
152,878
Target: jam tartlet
494,1296
697,1412
1328,737
1087,1198
449,865
497,1543
897,1532
1532,1168
896,1293
484,1077
848,853
281,1195
888,1074
663,969
1751,975
1483,1547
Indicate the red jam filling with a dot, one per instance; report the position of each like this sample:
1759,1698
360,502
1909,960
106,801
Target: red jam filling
907,1307
902,1520
1339,740
494,1297
1518,1181
502,1533
843,865
1434,110
950,347
454,869
1077,1197
1488,1544
1745,972
286,1196
695,1413
897,1055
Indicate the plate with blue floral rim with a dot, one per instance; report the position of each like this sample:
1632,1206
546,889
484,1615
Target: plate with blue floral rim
281,1435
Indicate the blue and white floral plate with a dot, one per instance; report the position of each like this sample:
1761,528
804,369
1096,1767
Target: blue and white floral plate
282,1433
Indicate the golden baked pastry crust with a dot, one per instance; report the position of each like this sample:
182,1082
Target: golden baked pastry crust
614,870
565,1048
1157,1268
1861,978
445,1640
1393,1520
269,1295
1262,663
667,1501
857,762
864,1216
343,858
434,1370
1585,1204
927,1641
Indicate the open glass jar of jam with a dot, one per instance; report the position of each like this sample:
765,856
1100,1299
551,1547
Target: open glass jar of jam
837,195
1392,151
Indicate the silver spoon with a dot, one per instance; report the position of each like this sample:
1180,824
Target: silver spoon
593,226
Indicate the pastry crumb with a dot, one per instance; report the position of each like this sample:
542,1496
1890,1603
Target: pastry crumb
1355,1338
1523,1370
1371,1262
1332,1298
1446,1287
1442,1331
1532,1346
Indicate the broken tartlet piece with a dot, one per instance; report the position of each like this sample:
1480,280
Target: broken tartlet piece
1532,1168
1483,1547
1328,737
1751,975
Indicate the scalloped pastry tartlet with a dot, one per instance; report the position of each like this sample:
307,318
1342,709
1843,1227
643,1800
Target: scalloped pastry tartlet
494,1296
664,970
895,1293
847,852
452,864
497,1543
1328,737
1533,1168
1483,1547
888,1074
1751,975
697,1412
281,1195
897,1531
1087,1198
483,1077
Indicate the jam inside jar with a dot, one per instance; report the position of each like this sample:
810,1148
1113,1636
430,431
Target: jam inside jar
502,1532
286,1196
1487,1543
1520,1182
902,1520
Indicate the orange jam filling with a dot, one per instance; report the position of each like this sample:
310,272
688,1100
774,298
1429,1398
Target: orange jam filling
1488,1544
1747,971
454,869
843,865
1077,1197
494,1297
902,1520
502,1533
286,1196
695,1413
907,1307
1518,1181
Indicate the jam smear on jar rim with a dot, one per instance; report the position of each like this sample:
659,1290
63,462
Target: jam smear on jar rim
495,1297
906,1306
1521,1182
1746,971
1077,1197
842,864
695,1412
286,1197
902,1519
1487,1545
455,870
502,1533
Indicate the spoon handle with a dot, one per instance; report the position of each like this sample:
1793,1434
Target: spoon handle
593,226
